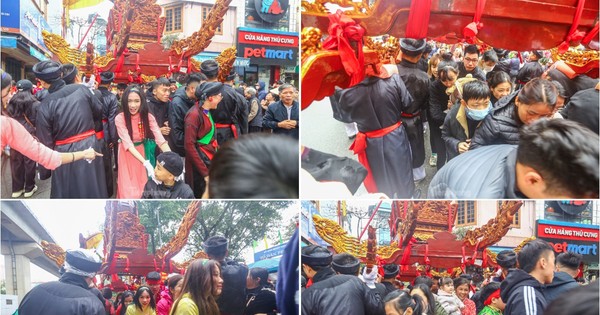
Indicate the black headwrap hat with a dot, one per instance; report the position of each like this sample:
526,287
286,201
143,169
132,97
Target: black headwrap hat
47,70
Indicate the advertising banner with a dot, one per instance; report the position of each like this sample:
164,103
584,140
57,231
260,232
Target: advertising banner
571,237
267,48
270,252
10,16
32,24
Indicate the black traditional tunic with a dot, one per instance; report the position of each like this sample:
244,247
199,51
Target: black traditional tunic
65,123
417,84
231,115
376,104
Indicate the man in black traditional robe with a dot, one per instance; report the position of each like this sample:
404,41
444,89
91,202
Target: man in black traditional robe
65,123
110,108
376,105
231,114
417,84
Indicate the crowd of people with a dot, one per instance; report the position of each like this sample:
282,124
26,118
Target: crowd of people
491,116
532,281
211,286
183,124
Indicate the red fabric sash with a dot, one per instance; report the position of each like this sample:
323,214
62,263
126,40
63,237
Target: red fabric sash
418,19
208,153
100,134
494,295
359,147
471,30
574,34
342,31
232,126
76,138
413,115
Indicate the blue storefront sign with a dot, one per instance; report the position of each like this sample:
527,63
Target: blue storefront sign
8,42
239,61
32,24
34,52
270,252
308,227
10,11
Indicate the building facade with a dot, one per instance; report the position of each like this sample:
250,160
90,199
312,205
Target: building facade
279,20
22,43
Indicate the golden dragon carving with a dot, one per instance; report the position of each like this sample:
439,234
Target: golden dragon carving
310,41
495,228
387,51
323,7
54,252
225,60
59,46
200,39
180,239
66,54
185,264
576,58
341,242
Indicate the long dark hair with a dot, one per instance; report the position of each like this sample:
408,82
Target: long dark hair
261,273
21,104
143,111
430,299
172,283
198,283
400,301
138,294
125,295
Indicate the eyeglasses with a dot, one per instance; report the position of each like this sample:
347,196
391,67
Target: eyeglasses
469,60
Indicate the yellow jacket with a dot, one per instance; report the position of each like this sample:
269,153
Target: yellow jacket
132,310
186,306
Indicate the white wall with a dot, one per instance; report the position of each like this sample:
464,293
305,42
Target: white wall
5,307
487,210
192,21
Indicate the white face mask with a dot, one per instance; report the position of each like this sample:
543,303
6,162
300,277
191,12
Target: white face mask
487,69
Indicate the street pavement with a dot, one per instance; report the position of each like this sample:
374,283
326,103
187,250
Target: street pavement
321,132
44,186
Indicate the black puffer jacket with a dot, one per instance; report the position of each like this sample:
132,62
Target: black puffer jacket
561,283
160,110
501,126
477,73
523,294
179,190
340,294
457,128
438,103
68,296
180,105
232,300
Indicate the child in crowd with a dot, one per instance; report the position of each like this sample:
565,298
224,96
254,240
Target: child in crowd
168,182
447,298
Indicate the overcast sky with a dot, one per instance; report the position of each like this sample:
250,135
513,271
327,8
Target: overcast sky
65,219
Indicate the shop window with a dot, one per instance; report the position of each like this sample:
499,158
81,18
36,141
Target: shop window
173,19
13,67
516,219
205,10
466,213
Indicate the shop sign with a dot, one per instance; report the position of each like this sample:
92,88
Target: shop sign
34,52
571,237
271,11
268,48
32,24
274,251
9,20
